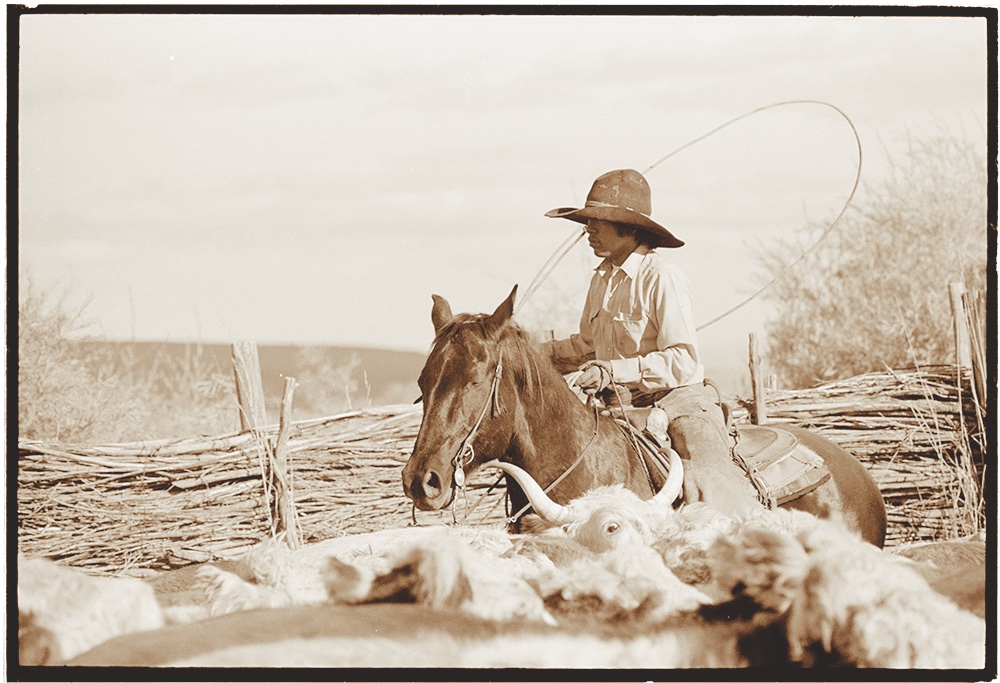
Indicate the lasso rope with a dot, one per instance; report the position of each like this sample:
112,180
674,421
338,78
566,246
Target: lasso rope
547,268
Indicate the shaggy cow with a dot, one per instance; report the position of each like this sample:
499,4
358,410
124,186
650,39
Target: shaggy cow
352,568
63,612
954,568
820,597
448,573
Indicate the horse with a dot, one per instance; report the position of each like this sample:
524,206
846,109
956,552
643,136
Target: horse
489,393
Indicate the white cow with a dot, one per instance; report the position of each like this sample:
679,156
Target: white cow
817,597
63,612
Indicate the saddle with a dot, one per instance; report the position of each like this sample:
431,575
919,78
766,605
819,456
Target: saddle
785,468
780,468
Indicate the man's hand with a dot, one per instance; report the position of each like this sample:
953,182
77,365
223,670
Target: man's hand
594,376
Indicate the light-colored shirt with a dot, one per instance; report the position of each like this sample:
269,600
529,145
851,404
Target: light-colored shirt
643,325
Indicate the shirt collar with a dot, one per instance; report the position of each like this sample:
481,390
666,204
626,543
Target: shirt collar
631,264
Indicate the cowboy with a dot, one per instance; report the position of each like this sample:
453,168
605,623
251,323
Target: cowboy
637,337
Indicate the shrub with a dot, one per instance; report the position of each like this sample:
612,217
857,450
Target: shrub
874,293
71,391
60,395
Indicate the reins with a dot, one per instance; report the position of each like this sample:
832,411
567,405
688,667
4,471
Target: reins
517,515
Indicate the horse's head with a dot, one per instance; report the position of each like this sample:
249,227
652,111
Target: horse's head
465,421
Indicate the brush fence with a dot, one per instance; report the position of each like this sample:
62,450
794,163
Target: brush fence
125,508
912,430
163,504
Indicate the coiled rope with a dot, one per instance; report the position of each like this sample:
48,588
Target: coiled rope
553,260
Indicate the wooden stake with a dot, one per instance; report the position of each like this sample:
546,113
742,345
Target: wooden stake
758,412
963,350
249,388
284,506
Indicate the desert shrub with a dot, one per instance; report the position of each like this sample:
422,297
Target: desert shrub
180,395
72,391
874,293
61,395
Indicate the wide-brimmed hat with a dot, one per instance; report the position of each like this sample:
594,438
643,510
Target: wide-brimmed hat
620,197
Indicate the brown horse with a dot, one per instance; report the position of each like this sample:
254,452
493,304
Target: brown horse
489,394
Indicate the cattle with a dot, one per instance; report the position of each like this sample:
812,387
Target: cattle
816,597
522,582
444,572
662,586
611,518
63,612
607,517
955,568
350,568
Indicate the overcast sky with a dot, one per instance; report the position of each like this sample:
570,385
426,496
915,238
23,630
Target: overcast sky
314,179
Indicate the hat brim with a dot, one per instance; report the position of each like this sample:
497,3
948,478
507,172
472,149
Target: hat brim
617,214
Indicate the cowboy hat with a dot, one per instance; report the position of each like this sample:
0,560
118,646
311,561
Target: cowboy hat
620,197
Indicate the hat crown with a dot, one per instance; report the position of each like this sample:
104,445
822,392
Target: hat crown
625,188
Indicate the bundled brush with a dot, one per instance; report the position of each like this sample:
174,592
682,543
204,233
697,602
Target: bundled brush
167,503
910,428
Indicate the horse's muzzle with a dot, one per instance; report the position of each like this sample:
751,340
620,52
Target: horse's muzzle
429,491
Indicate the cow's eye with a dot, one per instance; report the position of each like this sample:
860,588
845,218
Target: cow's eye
612,527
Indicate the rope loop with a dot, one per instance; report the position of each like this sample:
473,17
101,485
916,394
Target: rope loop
552,261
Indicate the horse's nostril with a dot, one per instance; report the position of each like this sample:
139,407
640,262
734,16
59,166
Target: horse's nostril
431,484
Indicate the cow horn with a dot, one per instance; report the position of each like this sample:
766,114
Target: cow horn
672,486
549,510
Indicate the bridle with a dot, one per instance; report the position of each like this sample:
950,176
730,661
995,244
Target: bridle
466,452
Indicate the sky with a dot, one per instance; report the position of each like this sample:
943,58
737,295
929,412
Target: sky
316,178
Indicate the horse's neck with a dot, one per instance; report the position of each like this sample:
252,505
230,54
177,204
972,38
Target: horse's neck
553,428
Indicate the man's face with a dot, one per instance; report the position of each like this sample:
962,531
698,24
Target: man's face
606,242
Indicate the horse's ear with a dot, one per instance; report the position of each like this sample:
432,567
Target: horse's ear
504,312
440,312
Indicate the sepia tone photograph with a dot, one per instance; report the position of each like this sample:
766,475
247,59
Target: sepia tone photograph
394,342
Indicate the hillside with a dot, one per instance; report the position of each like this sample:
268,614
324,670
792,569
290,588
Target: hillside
330,378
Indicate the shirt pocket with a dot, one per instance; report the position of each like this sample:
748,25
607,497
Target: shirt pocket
626,333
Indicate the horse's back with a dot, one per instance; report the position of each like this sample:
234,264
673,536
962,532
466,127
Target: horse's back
850,494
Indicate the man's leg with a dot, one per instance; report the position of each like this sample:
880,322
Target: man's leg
699,434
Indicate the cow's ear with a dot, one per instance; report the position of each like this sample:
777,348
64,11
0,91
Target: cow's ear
504,312
440,312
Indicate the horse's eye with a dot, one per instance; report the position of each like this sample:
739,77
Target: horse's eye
612,527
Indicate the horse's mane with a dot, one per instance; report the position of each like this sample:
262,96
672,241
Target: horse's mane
521,356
